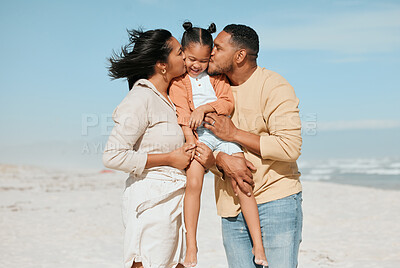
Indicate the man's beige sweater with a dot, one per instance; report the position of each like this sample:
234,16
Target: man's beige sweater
266,105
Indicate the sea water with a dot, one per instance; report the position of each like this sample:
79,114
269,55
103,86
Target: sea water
383,173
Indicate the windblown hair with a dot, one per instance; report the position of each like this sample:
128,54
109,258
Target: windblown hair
197,35
244,37
138,58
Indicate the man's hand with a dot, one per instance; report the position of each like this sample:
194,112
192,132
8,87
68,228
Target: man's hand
204,155
237,168
222,126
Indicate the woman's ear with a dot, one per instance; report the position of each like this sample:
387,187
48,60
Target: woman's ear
162,67
240,55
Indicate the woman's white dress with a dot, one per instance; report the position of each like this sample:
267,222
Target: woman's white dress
152,208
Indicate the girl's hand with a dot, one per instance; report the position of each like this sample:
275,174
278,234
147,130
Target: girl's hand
196,118
181,157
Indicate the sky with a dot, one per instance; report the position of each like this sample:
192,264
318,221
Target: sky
342,58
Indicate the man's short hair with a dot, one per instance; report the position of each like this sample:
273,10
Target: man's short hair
244,37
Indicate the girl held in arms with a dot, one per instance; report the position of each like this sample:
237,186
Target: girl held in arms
195,94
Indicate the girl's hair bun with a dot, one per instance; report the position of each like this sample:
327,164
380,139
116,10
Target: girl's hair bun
187,26
212,28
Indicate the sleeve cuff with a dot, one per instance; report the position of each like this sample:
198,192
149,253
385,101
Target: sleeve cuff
136,165
266,146
270,148
220,108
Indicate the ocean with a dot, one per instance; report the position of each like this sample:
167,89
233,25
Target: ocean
383,173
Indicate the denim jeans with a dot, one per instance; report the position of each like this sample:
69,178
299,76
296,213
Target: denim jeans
281,224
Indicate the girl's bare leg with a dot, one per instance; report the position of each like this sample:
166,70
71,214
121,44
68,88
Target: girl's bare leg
250,212
195,175
137,265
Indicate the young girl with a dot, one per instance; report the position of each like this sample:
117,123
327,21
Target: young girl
195,94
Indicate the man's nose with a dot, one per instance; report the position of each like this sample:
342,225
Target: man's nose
213,51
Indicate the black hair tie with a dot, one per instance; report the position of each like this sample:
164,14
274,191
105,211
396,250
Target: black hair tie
212,28
187,26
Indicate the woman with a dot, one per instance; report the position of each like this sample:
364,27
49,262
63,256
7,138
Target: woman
148,143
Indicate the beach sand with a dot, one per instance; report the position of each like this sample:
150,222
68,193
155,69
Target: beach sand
73,219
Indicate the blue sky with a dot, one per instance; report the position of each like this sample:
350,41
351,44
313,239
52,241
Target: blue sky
342,57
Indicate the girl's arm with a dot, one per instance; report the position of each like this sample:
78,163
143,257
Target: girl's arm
189,136
197,116
224,104
179,96
190,139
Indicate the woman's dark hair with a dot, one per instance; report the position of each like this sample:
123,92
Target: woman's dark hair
197,35
244,37
138,58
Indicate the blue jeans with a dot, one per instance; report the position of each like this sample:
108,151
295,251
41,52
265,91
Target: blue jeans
281,223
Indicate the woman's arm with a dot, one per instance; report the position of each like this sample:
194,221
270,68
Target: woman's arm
179,158
131,122
130,119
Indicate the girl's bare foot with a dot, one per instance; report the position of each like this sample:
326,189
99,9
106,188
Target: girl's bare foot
191,257
259,256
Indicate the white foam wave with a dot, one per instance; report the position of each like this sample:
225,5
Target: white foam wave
321,171
311,177
379,171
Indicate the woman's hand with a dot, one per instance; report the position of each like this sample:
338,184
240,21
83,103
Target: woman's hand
204,155
181,157
196,118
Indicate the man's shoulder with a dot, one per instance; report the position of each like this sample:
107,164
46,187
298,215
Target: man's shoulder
270,76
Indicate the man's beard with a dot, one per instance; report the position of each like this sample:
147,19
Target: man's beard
220,69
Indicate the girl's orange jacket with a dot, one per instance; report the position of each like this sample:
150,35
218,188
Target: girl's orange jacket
180,92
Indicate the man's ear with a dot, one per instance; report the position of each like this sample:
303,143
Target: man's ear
240,55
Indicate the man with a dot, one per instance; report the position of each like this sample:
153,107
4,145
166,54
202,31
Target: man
266,124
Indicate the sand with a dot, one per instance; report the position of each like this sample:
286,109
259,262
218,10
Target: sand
73,219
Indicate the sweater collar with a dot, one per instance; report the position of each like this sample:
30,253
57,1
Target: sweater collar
146,83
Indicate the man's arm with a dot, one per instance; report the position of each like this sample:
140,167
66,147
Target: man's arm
223,127
283,140
281,114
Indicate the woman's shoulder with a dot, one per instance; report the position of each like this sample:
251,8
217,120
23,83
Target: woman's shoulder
140,95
